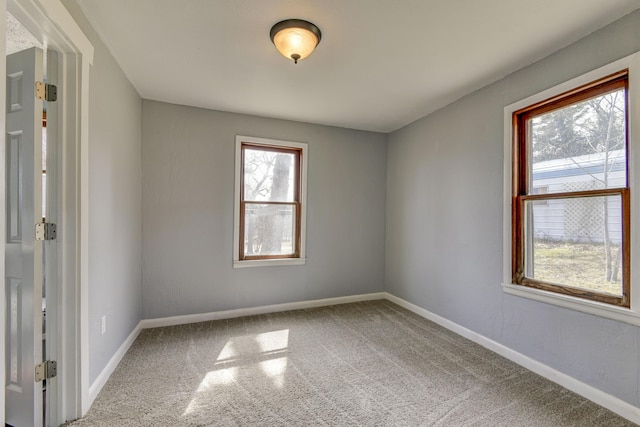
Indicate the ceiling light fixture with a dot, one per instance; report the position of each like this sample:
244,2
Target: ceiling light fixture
295,38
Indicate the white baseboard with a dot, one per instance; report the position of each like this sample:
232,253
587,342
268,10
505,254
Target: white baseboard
97,385
252,311
606,400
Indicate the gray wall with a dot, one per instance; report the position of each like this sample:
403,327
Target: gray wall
115,207
444,225
188,183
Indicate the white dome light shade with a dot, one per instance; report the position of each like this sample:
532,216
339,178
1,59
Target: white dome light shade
295,38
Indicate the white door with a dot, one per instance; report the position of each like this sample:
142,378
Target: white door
23,254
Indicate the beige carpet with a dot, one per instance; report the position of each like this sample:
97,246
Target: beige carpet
363,364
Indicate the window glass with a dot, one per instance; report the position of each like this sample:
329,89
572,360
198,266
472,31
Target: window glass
581,146
269,229
570,244
268,175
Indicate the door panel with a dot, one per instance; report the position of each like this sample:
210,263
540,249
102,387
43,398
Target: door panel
23,255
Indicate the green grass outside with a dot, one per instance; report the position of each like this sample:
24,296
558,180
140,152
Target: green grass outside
581,265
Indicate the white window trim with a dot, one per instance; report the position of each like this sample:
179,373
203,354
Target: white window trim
237,263
632,314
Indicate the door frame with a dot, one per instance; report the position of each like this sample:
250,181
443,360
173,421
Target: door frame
49,20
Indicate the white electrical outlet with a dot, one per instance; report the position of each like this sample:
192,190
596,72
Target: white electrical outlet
103,325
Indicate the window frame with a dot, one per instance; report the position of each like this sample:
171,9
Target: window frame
522,165
298,257
630,313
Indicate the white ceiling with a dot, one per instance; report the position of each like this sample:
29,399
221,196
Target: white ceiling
381,64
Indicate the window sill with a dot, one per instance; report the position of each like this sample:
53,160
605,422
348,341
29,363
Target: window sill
268,262
591,307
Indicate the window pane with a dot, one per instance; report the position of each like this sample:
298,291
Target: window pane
269,229
576,242
268,175
581,146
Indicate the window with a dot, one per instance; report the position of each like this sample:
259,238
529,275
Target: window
270,202
571,204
